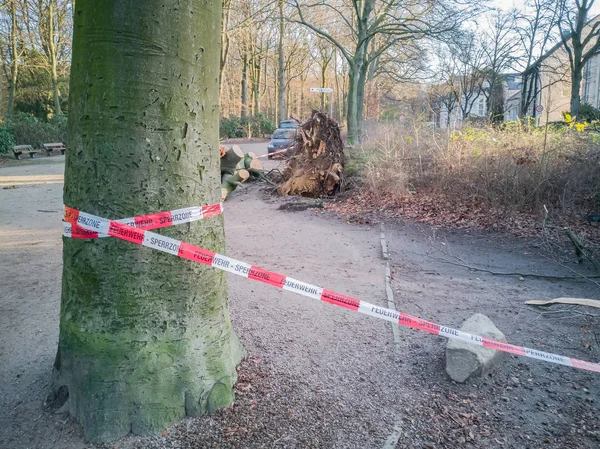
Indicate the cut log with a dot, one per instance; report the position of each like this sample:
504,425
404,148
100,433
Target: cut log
316,165
230,182
255,164
230,159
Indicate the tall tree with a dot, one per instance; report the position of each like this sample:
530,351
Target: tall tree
281,66
500,49
323,57
145,337
13,49
53,20
364,29
536,27
581,41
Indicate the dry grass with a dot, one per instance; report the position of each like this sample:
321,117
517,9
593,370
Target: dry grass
506,170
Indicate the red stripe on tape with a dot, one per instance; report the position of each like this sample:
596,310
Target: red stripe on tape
153,221
506,347
196,254
268,277
125,232
209,211
418,323
585,365
77,232
71,215
340,300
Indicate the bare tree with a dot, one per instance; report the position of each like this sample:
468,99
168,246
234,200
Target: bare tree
469,61
500,50
52,20
323,57
352,26
537,28
13,48
281,66
581,41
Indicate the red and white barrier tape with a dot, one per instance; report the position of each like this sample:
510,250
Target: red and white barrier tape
274,153
150,221
196,254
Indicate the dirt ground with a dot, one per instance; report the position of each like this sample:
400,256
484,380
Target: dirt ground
316,375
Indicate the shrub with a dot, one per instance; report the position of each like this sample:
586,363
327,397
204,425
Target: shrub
230,127
588,113
261,125
508,169
235,127
7,139
27,129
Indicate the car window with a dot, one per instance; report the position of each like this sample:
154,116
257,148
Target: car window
284,134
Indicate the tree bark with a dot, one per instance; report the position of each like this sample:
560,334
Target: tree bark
145,337
352,111
576,78
14,63
281,68
362,82
53,59
224,40
244,110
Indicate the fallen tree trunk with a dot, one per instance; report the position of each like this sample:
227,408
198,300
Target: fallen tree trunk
230,182
229,160
316,165
237,167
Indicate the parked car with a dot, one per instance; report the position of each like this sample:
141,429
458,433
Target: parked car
285,124
281,138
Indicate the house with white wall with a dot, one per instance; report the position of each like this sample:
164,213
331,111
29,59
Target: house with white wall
551,91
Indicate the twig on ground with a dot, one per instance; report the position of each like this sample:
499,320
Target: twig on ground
581,250
500,273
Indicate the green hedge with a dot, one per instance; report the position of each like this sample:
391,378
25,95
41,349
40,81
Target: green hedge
26,129
236,127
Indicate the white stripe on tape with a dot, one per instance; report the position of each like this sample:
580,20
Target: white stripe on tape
93,223
548,357
186,215
456,334
161,243
67,229
227,264
296,286
379,312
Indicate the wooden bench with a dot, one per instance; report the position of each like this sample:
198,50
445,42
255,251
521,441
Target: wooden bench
18,150
56,146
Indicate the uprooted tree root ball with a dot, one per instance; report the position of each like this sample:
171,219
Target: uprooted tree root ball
316,165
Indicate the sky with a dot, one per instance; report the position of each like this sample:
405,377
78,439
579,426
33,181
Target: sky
508,4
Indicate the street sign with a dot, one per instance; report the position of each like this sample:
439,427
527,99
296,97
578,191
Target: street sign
328,90
539,108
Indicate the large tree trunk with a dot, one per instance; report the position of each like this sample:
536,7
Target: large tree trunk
281,68
145,337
